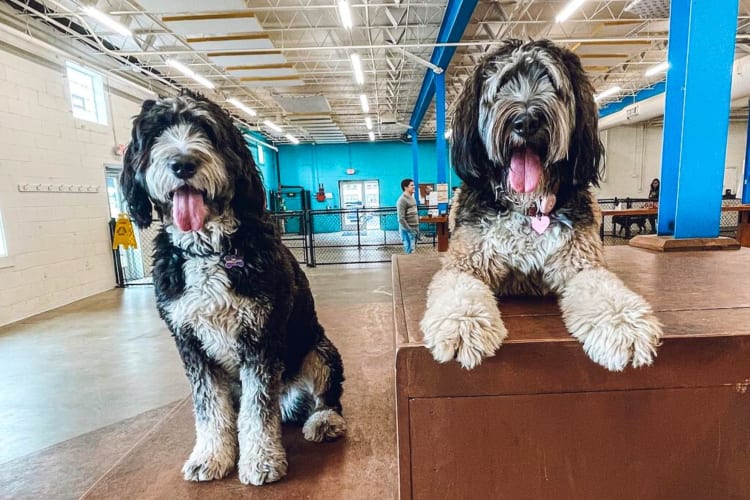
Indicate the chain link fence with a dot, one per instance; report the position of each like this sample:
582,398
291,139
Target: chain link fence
369,235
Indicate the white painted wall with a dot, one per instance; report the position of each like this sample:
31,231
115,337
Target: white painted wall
58,242
634,159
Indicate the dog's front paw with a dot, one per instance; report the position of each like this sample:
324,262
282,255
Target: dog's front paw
466,335
615,325
262,467
206,464
618,341
324,425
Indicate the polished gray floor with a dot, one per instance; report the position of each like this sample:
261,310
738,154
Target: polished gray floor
109,358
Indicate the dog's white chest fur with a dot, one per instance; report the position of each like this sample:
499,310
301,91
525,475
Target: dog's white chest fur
213,311
512,238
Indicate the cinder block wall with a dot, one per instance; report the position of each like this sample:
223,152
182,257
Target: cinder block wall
634,159
58,242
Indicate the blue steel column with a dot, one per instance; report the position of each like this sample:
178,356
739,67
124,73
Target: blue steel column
440,130
415,163
746,182
696,117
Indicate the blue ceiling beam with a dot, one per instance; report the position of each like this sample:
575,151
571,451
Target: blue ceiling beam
457,16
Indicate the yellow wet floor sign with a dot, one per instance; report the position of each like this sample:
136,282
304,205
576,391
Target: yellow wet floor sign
124,233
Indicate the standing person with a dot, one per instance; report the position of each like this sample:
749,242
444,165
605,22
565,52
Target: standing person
408,219
653,195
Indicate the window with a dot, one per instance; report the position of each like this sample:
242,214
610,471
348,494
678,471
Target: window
3,246
87,94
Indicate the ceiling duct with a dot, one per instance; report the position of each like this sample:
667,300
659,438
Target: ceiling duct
654,106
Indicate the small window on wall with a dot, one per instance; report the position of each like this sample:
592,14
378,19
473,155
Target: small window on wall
87,94
261,155
3,246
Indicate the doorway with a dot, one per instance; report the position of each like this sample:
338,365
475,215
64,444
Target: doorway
355,195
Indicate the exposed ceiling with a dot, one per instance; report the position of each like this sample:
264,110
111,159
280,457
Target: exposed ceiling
290,60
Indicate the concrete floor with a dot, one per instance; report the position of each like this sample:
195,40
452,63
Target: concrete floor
98,372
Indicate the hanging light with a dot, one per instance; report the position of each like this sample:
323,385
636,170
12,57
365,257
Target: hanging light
272,125
107,21
236,103
190,73
606,93
659,68
568,10
357,65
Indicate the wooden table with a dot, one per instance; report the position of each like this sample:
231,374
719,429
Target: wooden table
441,228
743,219
539,420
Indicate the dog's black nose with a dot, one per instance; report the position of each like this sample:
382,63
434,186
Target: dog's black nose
525,125
184,168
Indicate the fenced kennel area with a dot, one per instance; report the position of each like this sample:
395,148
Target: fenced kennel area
363,235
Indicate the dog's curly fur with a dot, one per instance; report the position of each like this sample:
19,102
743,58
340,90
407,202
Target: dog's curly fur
237,303
530,100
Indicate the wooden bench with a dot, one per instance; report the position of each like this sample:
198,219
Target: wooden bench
541,421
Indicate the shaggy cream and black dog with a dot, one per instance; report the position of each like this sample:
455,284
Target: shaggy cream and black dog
237,303
525,145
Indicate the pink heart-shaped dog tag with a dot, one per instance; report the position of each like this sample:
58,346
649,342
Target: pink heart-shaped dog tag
540,224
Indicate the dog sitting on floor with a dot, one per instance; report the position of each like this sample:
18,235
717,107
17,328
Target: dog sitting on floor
626,221
237,303
526,146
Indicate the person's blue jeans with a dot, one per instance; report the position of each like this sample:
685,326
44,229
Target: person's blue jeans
408,238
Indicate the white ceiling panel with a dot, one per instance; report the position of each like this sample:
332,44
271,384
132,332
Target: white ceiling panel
213,24
230,61
192,6
274,83
264,72
229,42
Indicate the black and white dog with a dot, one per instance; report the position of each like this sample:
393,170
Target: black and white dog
237,303
526,145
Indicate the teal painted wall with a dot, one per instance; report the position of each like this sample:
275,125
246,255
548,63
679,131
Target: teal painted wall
308,165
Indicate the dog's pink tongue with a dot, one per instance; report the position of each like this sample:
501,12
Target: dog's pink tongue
525,171
188,210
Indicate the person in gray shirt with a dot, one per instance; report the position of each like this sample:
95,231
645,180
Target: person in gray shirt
408,219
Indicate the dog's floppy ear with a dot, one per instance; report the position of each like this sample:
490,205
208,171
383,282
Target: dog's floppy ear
249,193
134,163
586,150
468,155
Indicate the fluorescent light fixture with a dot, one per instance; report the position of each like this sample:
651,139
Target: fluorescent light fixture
365,104
568,10
357,65
448,133
368,122
272,125
606,93
190,73
292,139
659,68
107,21
241,106
371,135
346,14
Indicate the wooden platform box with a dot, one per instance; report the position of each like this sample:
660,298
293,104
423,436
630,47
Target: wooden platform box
541,421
